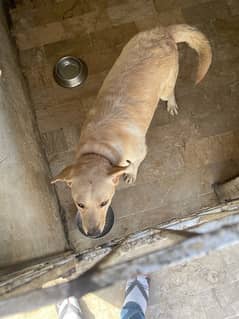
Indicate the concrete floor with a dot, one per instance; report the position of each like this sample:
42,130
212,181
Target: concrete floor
186,155
205,288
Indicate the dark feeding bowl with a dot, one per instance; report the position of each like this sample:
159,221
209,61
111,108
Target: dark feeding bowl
70,71
108,224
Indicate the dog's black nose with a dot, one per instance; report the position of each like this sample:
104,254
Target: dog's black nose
94,232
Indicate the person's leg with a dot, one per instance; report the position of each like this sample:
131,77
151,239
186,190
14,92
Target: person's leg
136,298
69,308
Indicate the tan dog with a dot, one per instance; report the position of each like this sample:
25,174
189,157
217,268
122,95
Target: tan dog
112,141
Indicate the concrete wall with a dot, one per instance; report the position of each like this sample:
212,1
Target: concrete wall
30,225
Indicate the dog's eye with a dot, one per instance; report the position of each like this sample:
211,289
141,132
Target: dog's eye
81,205
104,203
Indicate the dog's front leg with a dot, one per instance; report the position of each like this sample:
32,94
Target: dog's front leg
131,172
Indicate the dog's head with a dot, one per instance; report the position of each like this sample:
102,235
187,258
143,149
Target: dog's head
92,184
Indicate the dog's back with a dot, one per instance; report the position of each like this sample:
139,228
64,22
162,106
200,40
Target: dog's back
145,71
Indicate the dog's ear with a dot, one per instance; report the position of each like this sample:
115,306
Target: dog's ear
64,176
115,172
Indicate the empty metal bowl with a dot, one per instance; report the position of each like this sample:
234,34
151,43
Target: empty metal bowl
108,224
70,71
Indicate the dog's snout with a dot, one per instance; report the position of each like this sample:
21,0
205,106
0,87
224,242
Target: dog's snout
94,232
95,228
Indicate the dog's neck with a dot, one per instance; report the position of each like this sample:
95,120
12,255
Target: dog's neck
96,160
100,149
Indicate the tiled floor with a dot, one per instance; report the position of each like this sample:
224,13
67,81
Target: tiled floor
187,153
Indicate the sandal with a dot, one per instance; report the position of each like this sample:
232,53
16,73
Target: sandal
69,309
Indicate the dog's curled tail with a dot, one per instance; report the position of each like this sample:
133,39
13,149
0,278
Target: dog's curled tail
197,41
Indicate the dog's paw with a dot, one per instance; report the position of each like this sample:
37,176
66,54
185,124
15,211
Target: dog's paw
129,178
172,109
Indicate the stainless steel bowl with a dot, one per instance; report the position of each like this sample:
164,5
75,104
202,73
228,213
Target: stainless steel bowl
108,224
70,71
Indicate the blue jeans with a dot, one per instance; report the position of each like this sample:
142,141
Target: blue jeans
132,311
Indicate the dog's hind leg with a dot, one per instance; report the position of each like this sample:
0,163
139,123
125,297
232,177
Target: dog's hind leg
168,93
